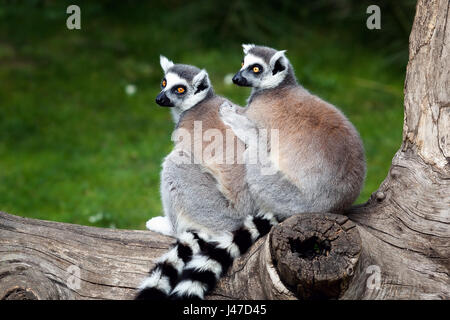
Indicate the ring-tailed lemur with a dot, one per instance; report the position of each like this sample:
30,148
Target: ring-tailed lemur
206,201
319,161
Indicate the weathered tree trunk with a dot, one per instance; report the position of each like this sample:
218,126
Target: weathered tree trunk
396,246
405,226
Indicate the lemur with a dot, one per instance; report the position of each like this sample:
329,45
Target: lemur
206,201
319,163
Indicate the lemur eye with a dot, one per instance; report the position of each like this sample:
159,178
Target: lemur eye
164,83
255,69
242,63
180,90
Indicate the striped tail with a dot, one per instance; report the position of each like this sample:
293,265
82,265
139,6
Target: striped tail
203,271
167,271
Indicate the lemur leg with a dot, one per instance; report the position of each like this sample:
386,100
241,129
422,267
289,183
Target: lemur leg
196,203
275,193
191,201
204,208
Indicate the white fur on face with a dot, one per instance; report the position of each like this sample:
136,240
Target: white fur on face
172,79
267,80
189,99
251,59
193,98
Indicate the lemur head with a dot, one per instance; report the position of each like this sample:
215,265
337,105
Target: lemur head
183,86
264,68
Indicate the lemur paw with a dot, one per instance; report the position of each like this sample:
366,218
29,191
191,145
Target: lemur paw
226,110
161,225
242,127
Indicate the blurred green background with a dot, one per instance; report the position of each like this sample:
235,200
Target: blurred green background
81,139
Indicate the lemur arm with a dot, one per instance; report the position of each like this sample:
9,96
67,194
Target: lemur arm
264,178
258,143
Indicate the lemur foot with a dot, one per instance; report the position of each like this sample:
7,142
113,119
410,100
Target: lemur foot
161,225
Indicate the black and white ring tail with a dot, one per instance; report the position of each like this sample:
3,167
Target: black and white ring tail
168,269
201,274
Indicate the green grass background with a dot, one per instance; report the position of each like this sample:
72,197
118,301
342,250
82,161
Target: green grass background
74,147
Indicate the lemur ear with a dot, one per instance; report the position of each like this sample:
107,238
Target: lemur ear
247,47
278,62
165,63
201,81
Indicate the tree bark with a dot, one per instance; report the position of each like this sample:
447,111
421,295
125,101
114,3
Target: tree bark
53,260
395,246
405,225
38,259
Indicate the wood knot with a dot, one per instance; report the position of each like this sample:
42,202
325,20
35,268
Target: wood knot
23,281
380,195
395,173
310,248
316,254
18,293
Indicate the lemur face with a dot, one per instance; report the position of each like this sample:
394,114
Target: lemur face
262,67
183,86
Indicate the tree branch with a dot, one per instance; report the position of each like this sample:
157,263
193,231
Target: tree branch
37,259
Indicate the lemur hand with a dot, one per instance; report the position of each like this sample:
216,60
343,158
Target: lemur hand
242,127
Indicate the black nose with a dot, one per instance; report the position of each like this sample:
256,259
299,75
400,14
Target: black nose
163,100
240,80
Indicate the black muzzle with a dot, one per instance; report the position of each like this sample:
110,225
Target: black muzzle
240,80
163,101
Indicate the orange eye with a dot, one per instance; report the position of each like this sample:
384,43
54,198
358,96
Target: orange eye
242,63
164,83
180,90
255,69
